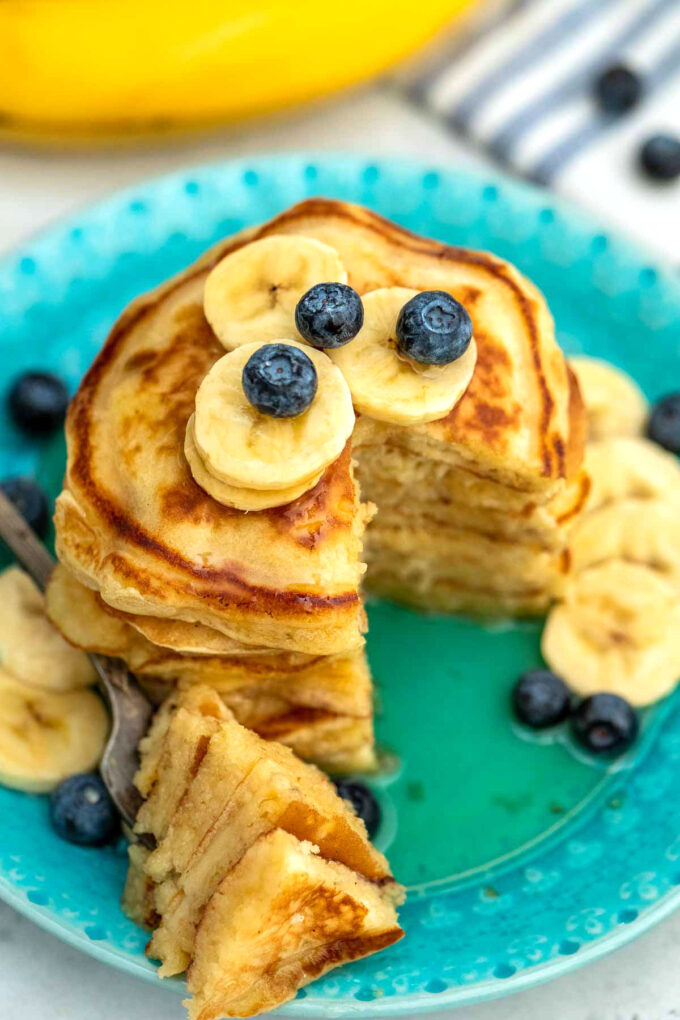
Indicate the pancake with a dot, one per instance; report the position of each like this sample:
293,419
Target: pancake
320,706
236,889
212,789
133,524
281,918
90,621
409,490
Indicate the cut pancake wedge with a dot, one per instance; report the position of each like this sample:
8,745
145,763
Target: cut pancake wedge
281,918
213,789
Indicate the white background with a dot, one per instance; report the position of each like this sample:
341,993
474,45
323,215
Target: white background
40,977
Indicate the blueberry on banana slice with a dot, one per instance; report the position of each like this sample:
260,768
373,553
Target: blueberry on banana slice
269,418
433,328
413,358
280,380
329,315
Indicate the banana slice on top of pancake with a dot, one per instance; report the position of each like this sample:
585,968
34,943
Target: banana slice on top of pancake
252,293
618,631
238,497
271,417
615,404
624,467
413,358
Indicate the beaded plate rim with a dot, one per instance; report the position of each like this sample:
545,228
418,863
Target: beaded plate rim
410,1004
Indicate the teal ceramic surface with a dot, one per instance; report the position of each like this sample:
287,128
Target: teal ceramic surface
523,858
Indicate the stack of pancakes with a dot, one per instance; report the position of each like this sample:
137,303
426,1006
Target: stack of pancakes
262,877
451,536
472,510
319,705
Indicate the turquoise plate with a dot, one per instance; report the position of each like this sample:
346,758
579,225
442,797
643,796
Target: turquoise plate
522,857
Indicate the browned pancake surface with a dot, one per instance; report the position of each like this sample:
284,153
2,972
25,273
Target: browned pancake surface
134,523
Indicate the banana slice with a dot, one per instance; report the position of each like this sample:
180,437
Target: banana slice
30,647
231,495
46,736
252,293
645,531
386,386
618,630
615,404
629,467
244,448
616,596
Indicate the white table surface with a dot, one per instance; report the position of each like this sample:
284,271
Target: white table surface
39,976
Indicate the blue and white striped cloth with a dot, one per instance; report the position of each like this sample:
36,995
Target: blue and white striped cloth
523,90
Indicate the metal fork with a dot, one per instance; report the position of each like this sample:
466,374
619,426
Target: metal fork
130,709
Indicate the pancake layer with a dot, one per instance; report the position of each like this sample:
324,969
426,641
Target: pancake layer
320,706
214,791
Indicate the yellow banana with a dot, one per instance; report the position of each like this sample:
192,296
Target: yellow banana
388,387
244,448
116,67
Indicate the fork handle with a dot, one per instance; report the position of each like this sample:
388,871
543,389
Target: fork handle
24,543
130,709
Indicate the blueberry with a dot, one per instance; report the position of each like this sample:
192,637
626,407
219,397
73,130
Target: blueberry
660,157
280,380
329,315
363,802
540,698
37,403
604,723
618,89
433,328
664,423
81,811
31,502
